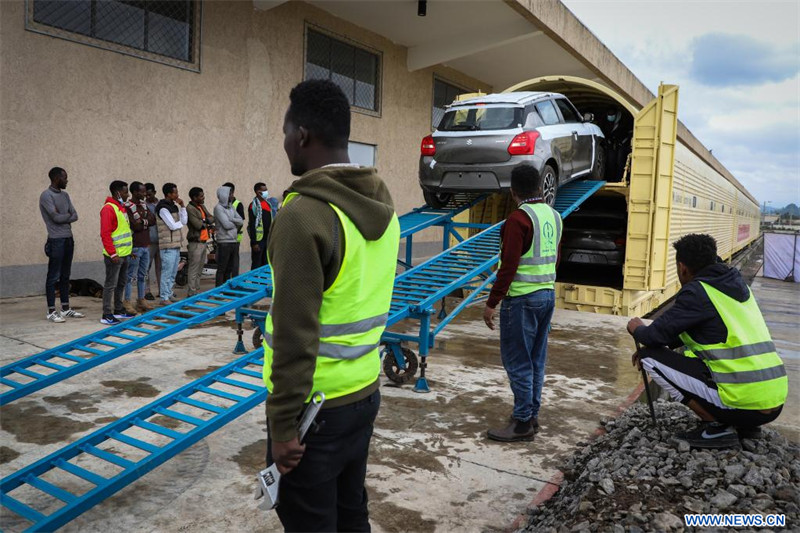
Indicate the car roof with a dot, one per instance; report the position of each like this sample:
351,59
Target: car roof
516,98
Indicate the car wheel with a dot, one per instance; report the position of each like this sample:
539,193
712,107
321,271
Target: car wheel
599,163
436,200
549,185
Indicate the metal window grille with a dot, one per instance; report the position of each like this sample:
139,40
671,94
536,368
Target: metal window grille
444,94
163,31
353,69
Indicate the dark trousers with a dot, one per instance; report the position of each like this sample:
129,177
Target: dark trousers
326,491
114,287
60,252
688,378
258,259
227,261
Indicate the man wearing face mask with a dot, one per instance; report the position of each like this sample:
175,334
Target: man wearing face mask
258,224
115,232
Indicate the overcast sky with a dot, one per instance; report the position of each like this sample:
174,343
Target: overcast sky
738,68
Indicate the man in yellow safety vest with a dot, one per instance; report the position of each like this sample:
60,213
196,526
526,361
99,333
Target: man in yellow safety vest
115,232
729,373
531,240
333,254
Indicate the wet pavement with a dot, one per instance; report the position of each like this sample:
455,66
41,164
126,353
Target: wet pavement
431,467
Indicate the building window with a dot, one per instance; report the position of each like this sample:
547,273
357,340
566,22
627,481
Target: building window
444,94
163,31
361,153
354,69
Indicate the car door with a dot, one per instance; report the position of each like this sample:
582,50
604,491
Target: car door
581,135
558,135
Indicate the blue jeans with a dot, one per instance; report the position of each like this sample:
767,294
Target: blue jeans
524,324
138,264
170,258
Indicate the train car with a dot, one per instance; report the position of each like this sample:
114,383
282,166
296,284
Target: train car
662,191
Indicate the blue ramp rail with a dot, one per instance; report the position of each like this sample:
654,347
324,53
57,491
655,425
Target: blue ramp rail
86,472
38,371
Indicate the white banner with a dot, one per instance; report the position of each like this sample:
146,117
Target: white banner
782,256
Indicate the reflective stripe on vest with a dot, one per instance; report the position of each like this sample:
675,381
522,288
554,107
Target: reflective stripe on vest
746,367
121,237
338,351
353,313
240,231
537,266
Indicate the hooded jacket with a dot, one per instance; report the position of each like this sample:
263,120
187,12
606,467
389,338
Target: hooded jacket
693,313
226,218
305,251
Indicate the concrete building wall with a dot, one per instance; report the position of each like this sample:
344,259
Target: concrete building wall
104,116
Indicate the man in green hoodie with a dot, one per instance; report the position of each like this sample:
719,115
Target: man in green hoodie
323,330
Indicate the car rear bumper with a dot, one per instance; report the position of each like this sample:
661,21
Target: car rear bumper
454,177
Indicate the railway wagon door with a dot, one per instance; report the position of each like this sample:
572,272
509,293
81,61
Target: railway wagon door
650,199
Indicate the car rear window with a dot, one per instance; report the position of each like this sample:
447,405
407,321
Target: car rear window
482,118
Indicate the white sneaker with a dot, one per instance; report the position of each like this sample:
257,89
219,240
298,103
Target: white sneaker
55,316
71,313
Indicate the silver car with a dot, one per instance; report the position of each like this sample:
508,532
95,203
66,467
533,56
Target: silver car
480,140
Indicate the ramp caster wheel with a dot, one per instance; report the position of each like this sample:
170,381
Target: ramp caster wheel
400,375
257,338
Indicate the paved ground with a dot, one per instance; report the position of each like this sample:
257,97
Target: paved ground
780,304
431,469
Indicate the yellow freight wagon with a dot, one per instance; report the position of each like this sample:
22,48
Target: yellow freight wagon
668,191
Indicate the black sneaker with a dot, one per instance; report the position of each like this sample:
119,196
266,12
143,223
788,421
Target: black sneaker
109,320
712,435
123,315
749,432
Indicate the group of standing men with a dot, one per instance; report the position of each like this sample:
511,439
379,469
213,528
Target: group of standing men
139,231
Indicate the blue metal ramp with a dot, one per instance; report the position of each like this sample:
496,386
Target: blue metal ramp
86,472
38,371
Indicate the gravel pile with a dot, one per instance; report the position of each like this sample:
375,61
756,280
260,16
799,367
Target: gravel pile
637,477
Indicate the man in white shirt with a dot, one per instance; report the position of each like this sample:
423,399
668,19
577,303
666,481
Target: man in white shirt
172,218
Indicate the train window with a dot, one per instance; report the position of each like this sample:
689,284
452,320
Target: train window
712,205
694,201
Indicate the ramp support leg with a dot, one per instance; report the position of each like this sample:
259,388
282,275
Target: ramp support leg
422,382
239,348
424,347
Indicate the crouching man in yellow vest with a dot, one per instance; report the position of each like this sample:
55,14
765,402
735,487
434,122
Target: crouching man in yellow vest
332,253
729,372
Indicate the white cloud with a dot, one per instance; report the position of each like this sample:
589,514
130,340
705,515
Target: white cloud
752,130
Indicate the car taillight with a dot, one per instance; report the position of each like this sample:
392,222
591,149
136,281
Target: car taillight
524,143
619,243
428,146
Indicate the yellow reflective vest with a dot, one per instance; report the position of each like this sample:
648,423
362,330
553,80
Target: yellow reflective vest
236,203
353,313
746,367
537,266
122,236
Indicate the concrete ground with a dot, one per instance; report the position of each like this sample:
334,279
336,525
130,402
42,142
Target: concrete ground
780,304
431,467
